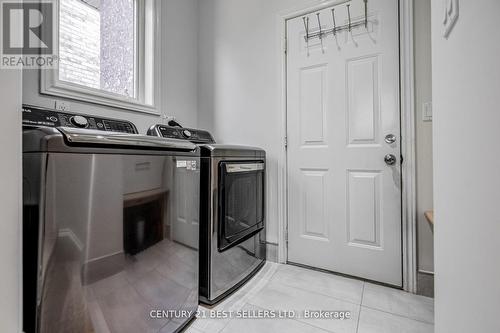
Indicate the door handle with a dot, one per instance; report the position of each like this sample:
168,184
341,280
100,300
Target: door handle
390,138
390,159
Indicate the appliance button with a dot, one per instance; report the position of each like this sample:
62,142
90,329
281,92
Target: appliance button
187,133
79,121
53,119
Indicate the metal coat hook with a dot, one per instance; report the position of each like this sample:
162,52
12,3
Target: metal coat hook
349,16
334,30
306,26
319,24
366,14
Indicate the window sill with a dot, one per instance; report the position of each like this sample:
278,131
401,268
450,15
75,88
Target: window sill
89,95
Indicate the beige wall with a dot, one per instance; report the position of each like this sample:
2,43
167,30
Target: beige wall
423,94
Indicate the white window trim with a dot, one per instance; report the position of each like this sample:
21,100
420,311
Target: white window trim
147,75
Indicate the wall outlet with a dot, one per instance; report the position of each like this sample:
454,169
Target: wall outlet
63,106
427,111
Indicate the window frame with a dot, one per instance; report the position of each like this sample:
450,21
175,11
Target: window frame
147,67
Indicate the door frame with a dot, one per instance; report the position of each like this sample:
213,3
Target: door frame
408,149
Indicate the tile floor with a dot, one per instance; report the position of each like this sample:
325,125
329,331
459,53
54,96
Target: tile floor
373,308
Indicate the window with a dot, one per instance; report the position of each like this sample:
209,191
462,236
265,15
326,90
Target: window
106,53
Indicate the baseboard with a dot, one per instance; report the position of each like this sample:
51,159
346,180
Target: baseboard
272,252
72,236
425,272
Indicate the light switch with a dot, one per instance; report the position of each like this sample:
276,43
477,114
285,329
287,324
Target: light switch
427,111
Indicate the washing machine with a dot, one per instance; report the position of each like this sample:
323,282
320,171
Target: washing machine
110,233
232,211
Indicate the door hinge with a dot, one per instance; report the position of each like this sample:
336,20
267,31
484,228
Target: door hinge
285,45
286,142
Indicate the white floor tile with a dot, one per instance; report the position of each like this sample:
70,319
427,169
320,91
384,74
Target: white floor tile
284,287
276,296
191,330
268,325
373,321
208,325
323,283
398,302
235,301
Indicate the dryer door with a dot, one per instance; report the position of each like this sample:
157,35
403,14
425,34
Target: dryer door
241,201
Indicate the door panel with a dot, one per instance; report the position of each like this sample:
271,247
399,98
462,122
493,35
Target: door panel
313,205
362,106
312,105
344,201
364,208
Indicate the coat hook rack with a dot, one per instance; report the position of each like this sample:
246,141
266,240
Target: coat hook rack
366,13
306,26
319,25
321,33
334,24
349,16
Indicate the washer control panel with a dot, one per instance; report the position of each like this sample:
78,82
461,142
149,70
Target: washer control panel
193,135
36,116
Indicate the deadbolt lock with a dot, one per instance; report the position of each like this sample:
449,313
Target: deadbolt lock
390,138
390,159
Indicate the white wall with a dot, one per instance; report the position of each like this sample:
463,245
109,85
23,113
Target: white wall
179,73
466,94
239,91
10,201
423,94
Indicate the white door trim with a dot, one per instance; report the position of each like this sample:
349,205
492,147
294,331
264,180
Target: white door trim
407,102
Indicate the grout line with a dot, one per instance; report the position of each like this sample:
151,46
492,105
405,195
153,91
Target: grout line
319,293
398,315
360,306
363,293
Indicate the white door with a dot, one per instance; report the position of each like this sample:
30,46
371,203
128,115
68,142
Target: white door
344,200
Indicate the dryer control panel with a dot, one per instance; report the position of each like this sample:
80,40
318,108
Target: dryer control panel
36,116
188,134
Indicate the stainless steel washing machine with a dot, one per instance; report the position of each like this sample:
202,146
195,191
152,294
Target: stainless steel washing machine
232,212
110,227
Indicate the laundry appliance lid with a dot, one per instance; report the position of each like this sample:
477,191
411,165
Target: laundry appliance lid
77,136
75,140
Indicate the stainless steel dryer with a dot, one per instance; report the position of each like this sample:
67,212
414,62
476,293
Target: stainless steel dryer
110,231
232,212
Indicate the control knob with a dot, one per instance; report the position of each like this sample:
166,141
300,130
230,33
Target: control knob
187,134
79,121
